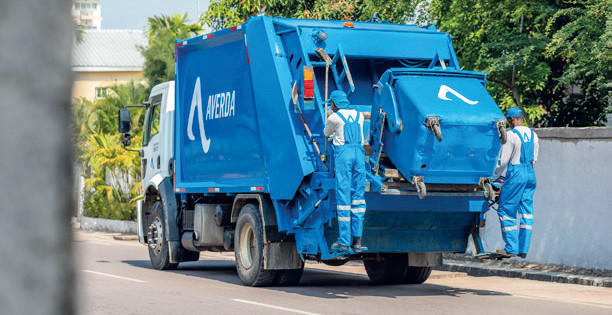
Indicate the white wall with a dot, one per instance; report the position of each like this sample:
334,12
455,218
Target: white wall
573,200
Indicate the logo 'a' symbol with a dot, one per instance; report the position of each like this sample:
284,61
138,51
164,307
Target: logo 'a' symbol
445,89
196,102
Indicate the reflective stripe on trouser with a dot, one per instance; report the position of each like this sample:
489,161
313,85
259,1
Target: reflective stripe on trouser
350,177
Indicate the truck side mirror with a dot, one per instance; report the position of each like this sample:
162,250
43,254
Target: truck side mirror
124,120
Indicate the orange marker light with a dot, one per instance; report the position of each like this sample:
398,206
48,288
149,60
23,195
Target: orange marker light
349,24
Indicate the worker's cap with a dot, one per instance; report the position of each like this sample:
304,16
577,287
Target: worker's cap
340,99
514,112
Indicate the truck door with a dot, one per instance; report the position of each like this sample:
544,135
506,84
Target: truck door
151,160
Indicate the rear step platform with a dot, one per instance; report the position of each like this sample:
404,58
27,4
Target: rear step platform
492,256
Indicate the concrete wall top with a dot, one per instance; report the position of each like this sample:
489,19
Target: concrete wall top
575,133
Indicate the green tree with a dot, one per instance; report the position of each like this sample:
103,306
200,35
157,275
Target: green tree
100,153
224,13
159,55
550,57
581,46
505,40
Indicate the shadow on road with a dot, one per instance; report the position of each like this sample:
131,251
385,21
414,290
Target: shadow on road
318,283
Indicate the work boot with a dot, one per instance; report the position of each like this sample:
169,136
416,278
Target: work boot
522,255
356,244
337,247
504,253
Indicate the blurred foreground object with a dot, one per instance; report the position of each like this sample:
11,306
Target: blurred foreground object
35,167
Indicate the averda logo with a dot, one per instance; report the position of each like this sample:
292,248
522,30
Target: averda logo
220,105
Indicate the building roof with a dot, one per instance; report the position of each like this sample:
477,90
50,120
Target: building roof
109,50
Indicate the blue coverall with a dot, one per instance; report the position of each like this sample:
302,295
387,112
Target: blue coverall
517,196
350,181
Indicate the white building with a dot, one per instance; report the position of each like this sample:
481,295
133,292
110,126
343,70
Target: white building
87,13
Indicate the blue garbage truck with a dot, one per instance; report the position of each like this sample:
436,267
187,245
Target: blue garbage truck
234,157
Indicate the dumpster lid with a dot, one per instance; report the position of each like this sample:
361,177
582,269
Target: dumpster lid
457,96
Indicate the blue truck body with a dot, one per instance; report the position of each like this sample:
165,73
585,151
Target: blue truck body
244,126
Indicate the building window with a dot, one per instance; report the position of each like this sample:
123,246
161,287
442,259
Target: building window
101,92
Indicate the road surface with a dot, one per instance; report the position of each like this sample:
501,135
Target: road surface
115,277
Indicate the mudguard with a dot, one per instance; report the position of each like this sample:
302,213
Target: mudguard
170,205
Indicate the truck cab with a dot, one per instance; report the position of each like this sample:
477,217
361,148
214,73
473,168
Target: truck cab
157,148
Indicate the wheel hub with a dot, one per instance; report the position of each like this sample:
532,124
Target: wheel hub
155,235
247,245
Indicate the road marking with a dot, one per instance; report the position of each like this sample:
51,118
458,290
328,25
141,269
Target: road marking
274,307
112,276
562,300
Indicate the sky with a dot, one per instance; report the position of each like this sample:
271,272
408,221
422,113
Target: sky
133,14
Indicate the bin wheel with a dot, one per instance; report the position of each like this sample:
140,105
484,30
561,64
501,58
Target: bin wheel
421,190
391,269
248,249
488,191
157,241
501,129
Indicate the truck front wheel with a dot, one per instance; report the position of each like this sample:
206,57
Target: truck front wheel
157,241
248,249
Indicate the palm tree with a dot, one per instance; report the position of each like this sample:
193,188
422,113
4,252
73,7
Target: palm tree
162,32
99,151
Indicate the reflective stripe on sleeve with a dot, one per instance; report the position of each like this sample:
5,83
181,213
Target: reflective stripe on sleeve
343,207
526,227
358,202
362,210
504,218
527,216
344,219
509,228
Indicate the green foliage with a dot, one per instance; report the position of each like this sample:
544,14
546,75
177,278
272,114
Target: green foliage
162,32
506,41
551,57
582,47
225,13
98,150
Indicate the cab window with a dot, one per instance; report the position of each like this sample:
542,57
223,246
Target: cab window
152,116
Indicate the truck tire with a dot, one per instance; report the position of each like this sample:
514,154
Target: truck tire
157,240
335,262
391,269
291,277
248,249
187,255
417,275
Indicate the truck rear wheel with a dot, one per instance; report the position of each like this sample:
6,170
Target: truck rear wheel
391,269
417,275
248,249
157,241
289,277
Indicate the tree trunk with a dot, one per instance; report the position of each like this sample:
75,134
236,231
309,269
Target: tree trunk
515,95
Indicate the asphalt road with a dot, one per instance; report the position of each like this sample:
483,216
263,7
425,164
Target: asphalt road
115,277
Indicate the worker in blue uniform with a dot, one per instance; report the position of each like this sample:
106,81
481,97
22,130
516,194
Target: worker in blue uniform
346,126
517,158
